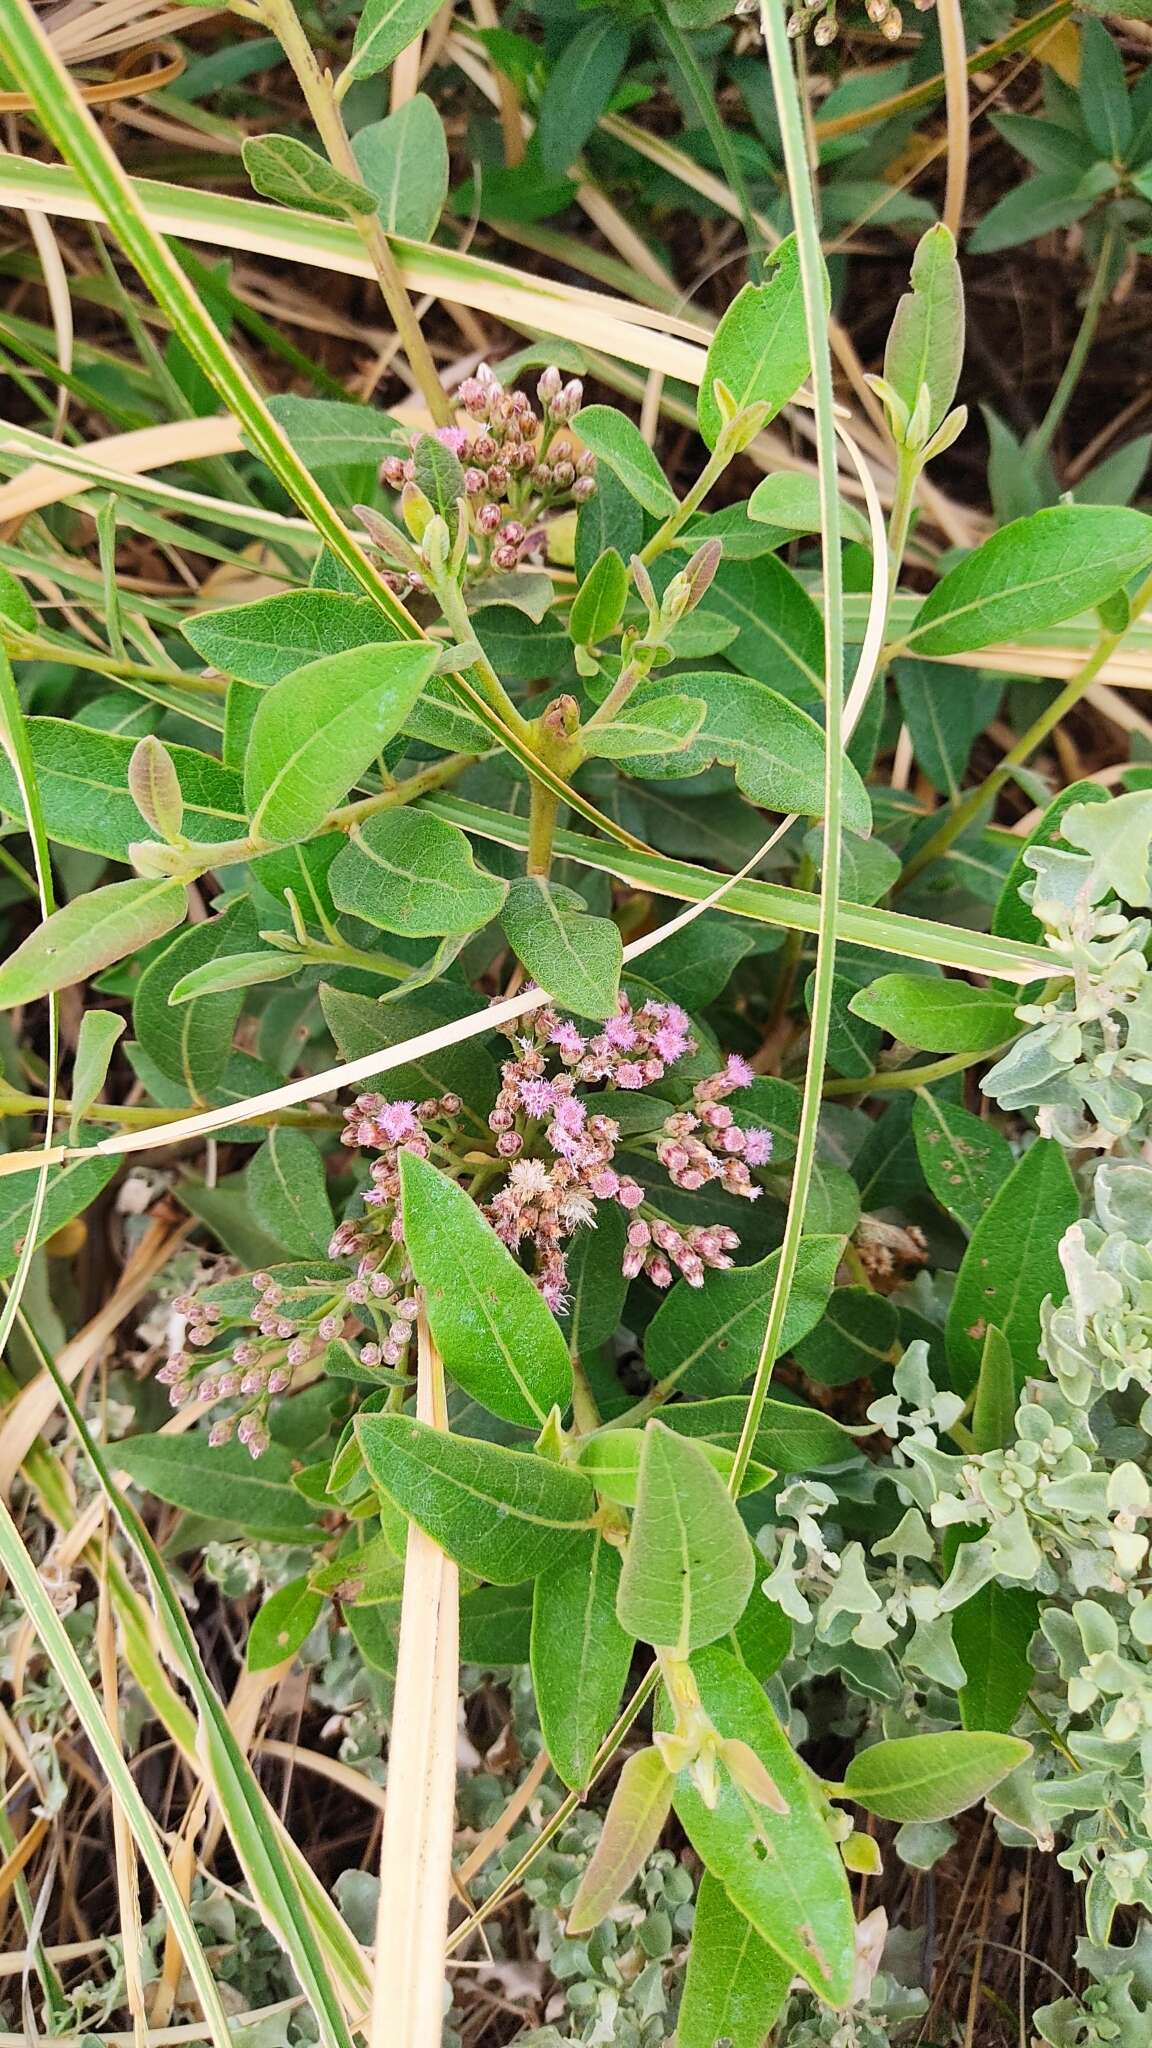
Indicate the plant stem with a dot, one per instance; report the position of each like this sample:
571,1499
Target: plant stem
541,828
281,17
900,517
664,535
1042,439
987,791
404,792
887,1079
812,274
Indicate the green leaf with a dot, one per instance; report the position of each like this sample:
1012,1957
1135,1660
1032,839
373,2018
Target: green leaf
612,1459
288,1192
403,160
926,339
410,873
944,721
155,787
610,519
776,750
385,28
580,85
938,1015
791,502
88,934
992,1632
326,433
994,1409
782,1871
580,1654
440,475
573,955
707,1339
1012,1263
84,790
496,1624
621,447
736,1984
656,725
930,1777
760,349
263,642
598,605
233,970
360,1026
791,1437
283,168
224,1485
855,1339
71,1189
496,1336
1033,573
505,1515
317,731
99,1031
780,638
632,1827
695,965
281,1623
689,1566
1104,101
15,603
192,1043
597,1284
1046,145
1039,206
964,1160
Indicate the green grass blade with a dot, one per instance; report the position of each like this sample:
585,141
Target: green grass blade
251,1825
34,1599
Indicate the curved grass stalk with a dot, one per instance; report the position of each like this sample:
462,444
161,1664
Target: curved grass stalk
14,740
790,116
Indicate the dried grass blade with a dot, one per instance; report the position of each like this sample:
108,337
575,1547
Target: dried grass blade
416,1854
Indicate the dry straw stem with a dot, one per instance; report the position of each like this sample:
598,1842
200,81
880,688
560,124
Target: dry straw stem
416,1852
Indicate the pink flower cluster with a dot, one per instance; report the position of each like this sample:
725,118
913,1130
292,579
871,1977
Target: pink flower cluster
556,1146
546,1199
517,462
706,1143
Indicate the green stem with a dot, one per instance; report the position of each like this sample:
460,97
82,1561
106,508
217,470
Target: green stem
404,792
812,278
23,646
1042,439
900,517
140,1116
542,811
987,791
632,673
281,17
664,535
889,1078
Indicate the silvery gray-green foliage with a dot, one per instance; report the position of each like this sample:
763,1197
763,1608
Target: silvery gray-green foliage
1086,1064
